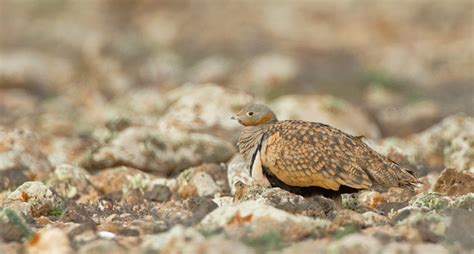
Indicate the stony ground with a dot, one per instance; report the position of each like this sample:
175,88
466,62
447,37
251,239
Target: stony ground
115,134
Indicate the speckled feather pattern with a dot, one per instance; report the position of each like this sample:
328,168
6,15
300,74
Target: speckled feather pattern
307,154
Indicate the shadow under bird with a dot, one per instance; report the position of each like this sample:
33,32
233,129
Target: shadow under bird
294,154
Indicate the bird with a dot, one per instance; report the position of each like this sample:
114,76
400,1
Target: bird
296,154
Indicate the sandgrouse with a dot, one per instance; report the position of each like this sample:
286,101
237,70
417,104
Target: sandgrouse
295,153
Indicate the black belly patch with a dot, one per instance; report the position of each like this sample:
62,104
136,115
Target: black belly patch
305,191
254,155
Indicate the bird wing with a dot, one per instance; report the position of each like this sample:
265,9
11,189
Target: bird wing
311,154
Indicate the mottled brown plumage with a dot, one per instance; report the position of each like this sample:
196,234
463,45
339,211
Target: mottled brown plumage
305,154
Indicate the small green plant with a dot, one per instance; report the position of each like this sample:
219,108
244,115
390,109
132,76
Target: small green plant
268,241
346,230
334,104
56,212
431,201
465,202
379,79
136,182
209,232
349,201
13,218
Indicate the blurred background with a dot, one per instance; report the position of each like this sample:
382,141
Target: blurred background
67,66
115,123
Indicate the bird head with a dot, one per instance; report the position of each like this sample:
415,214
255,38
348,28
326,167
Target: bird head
255,114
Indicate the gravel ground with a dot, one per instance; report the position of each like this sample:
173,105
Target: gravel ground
115,134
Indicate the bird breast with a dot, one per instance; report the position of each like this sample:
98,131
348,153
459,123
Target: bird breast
249,140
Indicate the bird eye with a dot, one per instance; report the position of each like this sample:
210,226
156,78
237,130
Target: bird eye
250,113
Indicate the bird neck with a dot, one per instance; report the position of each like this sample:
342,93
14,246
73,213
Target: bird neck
268,119
248,141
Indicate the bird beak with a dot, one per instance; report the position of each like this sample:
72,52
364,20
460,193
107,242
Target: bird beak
233,117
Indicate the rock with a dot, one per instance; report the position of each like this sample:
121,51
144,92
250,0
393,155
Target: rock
437,144
200,207
20,151
460,153
370,199
202,181
77,213
399,195
346,217
175,212
315,206
118,179
41,243
367,244
12,226
355,243
76,230
367,200
12,178
464,202
34,199
454,182
430,201
440,136
431,248
205,185
350,201
9,232
102,246
106,235
403,119
273,69
117,228
252,219
205,108
237,172
242,187
268,74
171,183
328,110
70,181
390,207
215,69
141,104
15,103
10,247
461,227
158,193
186,212
437,202
372,219
147,227
188,240
64,124
395,248
162,151
132,197
26,69
65,150
428,227
308,246
87,236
